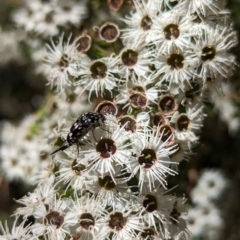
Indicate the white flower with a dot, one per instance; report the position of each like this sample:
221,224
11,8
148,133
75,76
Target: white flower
212,217
212,48
170,28
151,160
52,222
87,213
44,175
195,221
20,150
199,196
137,93
8,130
20,161
201,7
109,192
140,22
20,132
210,185
10,48
44,17
188,124
72,104
63,67
135,59
53,129
224,105
52,132
72,173
26,16
11,164
155,206
98,76
44,193
46,24
122,224
71,12
112,148
136,126
204,220
20,231
176,67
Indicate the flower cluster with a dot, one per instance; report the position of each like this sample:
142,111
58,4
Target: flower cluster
47,17
112,181
204,219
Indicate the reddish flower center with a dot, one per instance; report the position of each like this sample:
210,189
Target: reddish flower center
148,233
98,70
175,61
167,104
150,203
106,183
54,218
77,168
208,53
171,31
86,220
183,122
106,147
138,100
129,123
148,158
117,221
146,23
129,58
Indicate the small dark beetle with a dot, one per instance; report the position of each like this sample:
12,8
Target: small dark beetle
84,124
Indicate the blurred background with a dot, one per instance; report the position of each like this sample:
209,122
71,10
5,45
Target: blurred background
22,91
